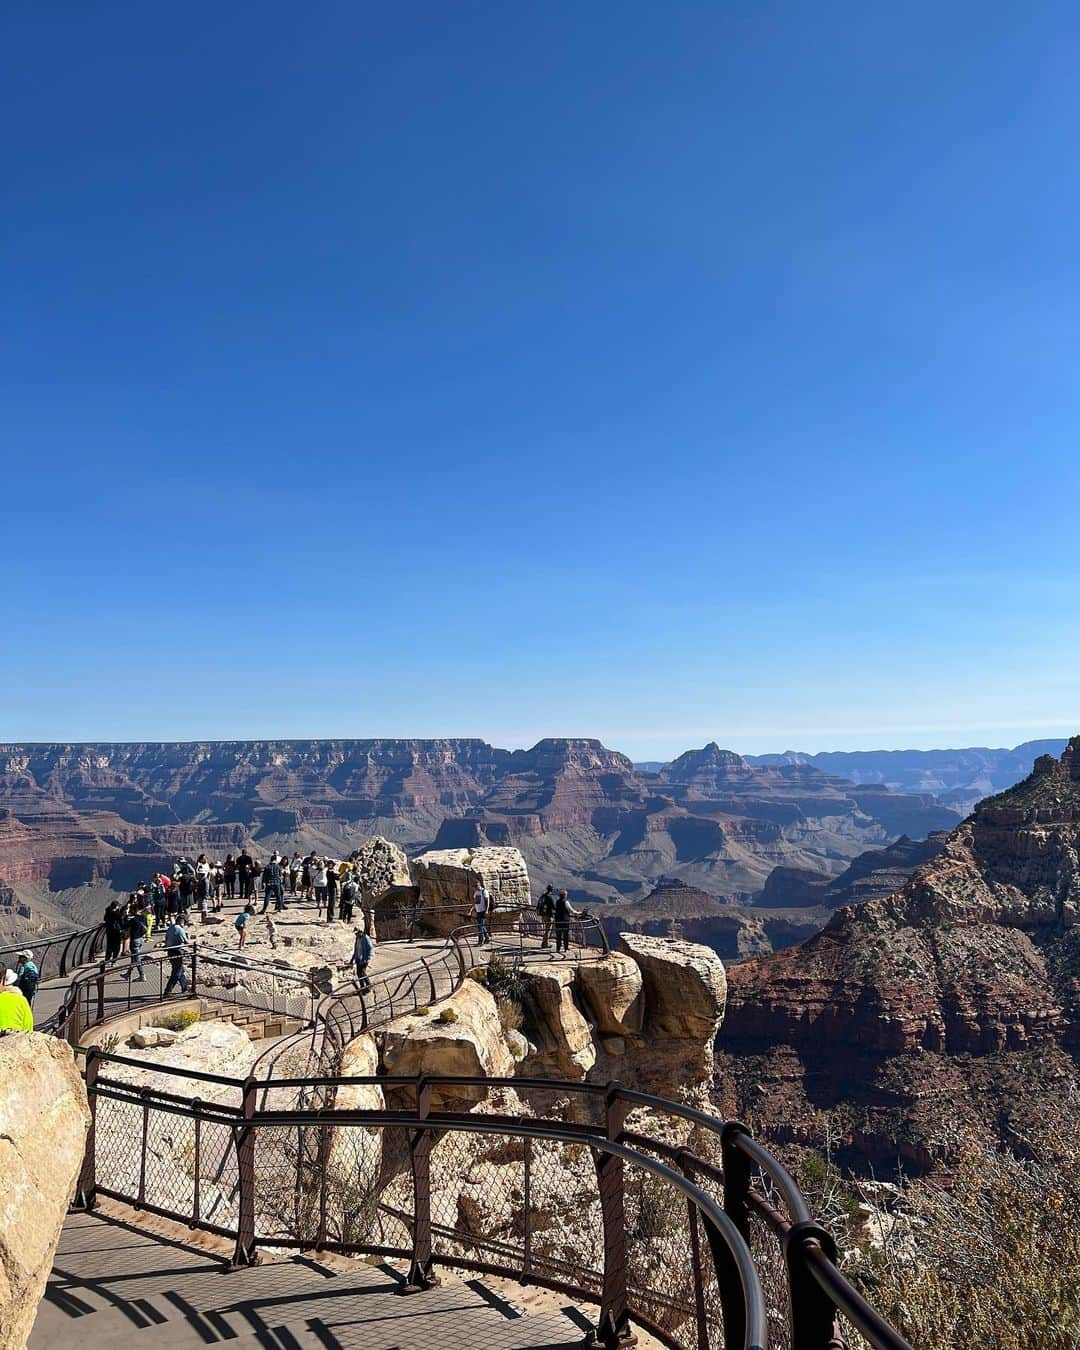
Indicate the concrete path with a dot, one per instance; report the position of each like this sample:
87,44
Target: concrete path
121,1277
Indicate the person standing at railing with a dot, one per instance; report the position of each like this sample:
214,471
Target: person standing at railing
294,871
564,912
482,908
15,1013
229,876
136,938
176,943
114,930
545,908
27,976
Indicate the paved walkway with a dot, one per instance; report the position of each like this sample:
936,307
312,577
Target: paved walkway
121,1276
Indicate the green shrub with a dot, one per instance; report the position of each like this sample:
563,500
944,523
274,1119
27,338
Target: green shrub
179,1020
448,1015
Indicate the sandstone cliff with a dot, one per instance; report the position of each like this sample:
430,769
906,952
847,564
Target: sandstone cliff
956,1000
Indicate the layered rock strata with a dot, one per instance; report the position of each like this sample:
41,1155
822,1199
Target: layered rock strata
954,1002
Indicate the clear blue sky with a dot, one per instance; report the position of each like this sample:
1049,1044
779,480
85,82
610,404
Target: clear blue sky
662,372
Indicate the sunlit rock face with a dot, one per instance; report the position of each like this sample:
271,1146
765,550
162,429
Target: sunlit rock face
43,1122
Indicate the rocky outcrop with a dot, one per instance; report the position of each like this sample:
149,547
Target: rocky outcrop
955,1001
448,878
685,987
463,1037
567,1049
43,1122
612,992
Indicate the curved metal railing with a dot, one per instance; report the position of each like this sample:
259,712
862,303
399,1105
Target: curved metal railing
652,1231
56,956
807,1300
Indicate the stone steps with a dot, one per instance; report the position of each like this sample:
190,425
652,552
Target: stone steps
258,1023
160,1285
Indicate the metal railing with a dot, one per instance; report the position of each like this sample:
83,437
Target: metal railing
652,1232
55,957
110,989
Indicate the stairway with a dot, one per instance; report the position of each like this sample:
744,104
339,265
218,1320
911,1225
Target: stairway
159,1285
257,1022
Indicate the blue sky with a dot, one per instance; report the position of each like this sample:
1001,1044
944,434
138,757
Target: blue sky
664,373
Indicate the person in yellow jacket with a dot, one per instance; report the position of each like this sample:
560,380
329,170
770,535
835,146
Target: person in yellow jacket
15,1014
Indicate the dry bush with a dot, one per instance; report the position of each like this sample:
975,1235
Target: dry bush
989,1258
511,1013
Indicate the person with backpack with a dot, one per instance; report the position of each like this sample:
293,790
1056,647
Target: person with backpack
240,922
27,976
564,912
481,907
229,876
363,951
114,930
545,908
176,942
350,890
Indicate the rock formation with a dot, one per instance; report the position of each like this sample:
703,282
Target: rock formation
954,1001
43,1122
447,879
463,1037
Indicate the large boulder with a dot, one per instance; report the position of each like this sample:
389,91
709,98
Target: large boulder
566,1048
447,878
464,1036
43,1122
685,986
612,990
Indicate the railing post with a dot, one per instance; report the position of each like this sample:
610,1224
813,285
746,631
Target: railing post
813,1315
86,1187
686,1164
245,1254
324,1167
613,1329
421,1271
737,1171
101,993
194,969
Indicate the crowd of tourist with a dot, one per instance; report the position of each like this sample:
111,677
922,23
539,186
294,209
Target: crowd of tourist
167,902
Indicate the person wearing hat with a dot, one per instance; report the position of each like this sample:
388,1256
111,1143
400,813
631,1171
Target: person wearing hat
27,976
15,1014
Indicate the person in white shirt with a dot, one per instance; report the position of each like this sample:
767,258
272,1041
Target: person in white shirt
482,908
319,880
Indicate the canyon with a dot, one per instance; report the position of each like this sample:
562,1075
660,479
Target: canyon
950,1005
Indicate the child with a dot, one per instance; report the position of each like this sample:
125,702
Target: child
271,931
241,922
